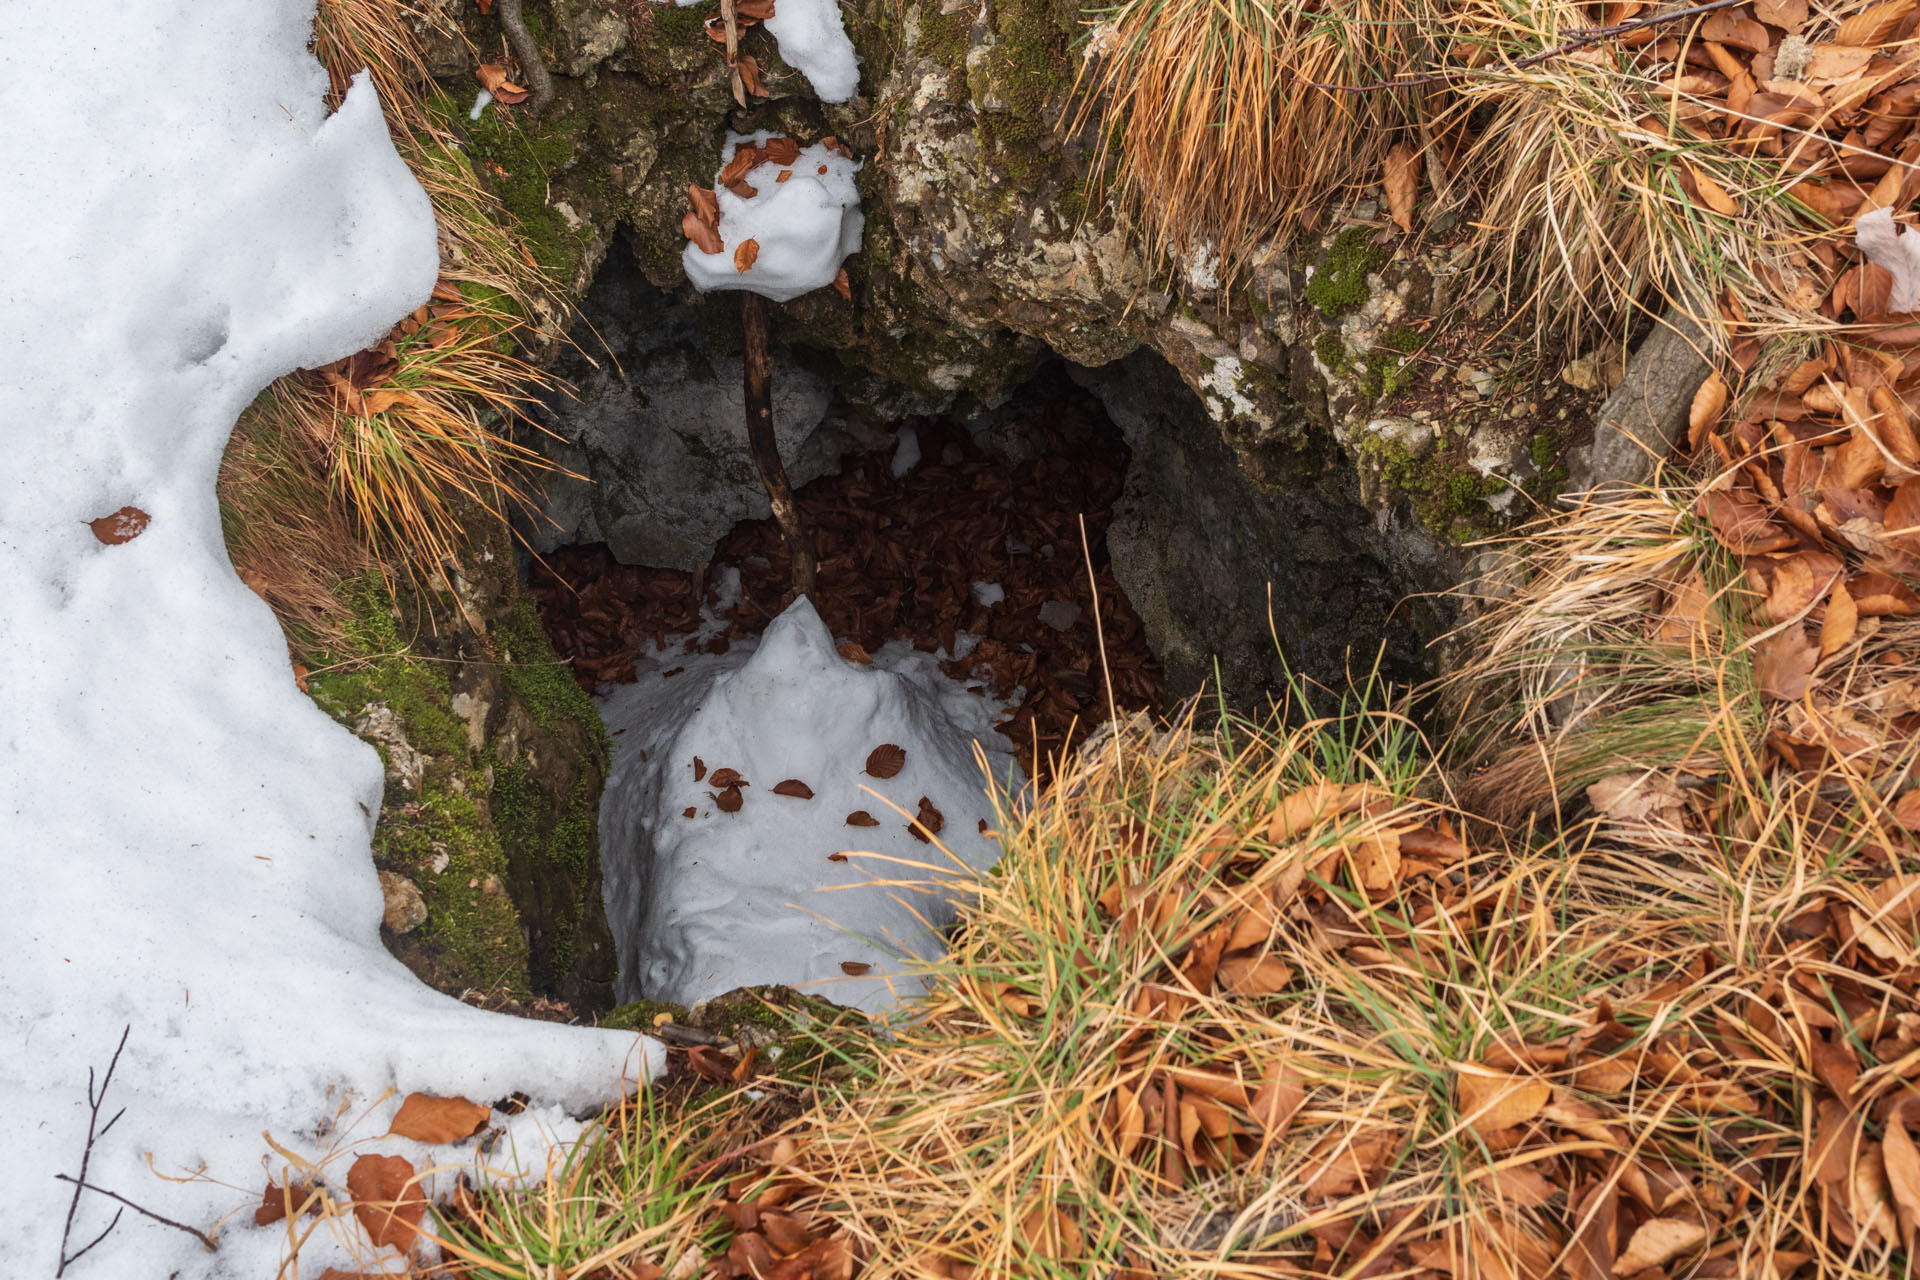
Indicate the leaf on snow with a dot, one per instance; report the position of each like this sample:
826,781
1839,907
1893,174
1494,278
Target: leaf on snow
386,1199
724,778
120,526
793,787
861,818
425,1118
745,254
886,760
728,801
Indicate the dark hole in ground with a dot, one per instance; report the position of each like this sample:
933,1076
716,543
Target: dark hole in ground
899,560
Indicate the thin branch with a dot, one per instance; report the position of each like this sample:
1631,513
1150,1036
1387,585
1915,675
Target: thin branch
212,1246
1580,40
94,1133
514,23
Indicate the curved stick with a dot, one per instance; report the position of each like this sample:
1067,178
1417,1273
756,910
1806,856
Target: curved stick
514,23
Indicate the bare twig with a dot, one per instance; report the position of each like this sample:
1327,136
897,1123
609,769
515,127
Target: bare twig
1579,41
732,21
532,69
212,1246
95,1132
766,447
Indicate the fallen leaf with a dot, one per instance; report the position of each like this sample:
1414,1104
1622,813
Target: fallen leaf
493,78
886,760
279,1202
724,778
781,151
386,1200
836,857
706,205
743,160
1492,1100
1790,15
710,1063
123,525
702,235
861,818
749,68
842,285
745,254
1842,621
1895,247
425,1118
1903,1178
1253,976
1639,797
1401,178
699,768
1657,1242
854,968
689,811
1704,413
1783,664
729,801
927,822
1872,27
793,787
741,189
854,653
1522,1185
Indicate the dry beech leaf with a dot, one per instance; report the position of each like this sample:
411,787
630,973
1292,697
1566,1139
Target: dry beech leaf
740,163
729,801
699,769
706,206
841,285
855,654
1658,1241
689,811
886,760
749,68
1842,621
1903,1178
701,234
861,818
1401,178
1493,1100
781,151
1783,664
1711,195
386,1200
493,78
854,968
425,1118
278,1202
1704,414
927,822
758,10
836,857
1790,15
745,254
123,525
724,778
793,787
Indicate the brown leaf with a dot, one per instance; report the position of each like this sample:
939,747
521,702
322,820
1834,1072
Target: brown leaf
279,1202
854,968
1401,178
927,822
1903,1178
1253,976
1492,1100
729,801
745,254
1522,1185
749,68
842,285
701,234
425,1118
689,811
854,653
1657,1242
724,778
493,78
1280,1096
386,1200
706,206
743,190
1842,621
740,163
886,760
1872,27
123,525
793,787
710,1063
782,151
836,857
1313,804
861,818
1790,15
1783,664
699,768
1703,415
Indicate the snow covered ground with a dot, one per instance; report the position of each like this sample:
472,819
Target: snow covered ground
183,836
707,892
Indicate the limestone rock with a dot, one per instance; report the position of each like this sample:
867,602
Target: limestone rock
406,909
378,724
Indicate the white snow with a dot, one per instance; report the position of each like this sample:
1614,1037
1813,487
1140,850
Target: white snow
906,452
703,904
812,39
1895,247
988,594
183,835
804,227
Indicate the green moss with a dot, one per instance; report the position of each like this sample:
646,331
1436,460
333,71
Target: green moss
944,37
1340,283
551,845
519,162
642,1015
1447,496
536,674
1330,350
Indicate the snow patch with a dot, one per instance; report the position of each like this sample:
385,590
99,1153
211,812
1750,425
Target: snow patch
705,903
183,834
803,228
813,41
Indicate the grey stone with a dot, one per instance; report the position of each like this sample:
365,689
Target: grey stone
378,724
587,33
1640,421
405,908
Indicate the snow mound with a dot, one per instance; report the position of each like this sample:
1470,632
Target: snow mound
183,835
705,903
803,228
812,40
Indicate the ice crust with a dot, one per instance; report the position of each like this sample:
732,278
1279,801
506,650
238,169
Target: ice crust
183,835
705,904
805,227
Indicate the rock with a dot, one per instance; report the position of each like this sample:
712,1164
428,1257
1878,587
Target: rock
1595,371
1416,437
378,724
406,909
656,434
1637,426
1059,614
586,33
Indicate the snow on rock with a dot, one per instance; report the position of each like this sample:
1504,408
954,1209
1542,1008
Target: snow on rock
802,228
183,835
705,903
812,40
